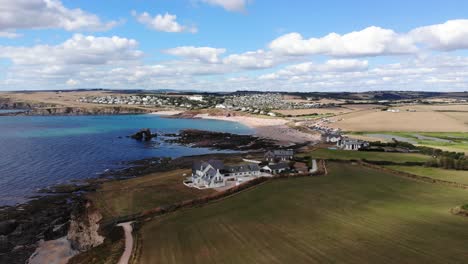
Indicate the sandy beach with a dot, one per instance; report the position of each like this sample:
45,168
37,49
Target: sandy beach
167,113
273,128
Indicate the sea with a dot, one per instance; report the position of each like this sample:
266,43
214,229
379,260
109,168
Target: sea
41,151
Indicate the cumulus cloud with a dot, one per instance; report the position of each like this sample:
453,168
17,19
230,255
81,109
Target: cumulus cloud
372,41
80,49
43,14
451,35
205,54
259,59
376,41
9,34
164,23
309,68
229,5
72,82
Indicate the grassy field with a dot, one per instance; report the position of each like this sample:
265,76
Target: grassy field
359,155
353,215
120,198
458,140
436,173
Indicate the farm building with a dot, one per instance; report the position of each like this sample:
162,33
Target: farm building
279,155
351,144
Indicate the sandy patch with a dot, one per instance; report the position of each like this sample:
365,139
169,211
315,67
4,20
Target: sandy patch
167,113
57,251
272,128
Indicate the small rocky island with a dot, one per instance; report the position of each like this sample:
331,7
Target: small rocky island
144,135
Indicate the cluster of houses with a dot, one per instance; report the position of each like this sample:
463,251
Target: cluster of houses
215,174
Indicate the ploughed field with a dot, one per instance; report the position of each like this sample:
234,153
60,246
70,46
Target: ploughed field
366,155
352,215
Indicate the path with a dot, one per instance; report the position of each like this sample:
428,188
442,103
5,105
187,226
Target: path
128,242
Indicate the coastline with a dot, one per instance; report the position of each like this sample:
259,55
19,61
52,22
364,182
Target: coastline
271,128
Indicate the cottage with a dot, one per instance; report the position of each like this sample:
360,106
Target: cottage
351,144
279,155
214,174
276,168
332,138
208,174
243,170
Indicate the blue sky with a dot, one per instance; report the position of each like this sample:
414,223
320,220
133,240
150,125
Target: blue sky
234,44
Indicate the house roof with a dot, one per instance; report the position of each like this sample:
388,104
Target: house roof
349,141
278,166
216,164
280,152
242,168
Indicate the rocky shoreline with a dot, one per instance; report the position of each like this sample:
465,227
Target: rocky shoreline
43,109
64,211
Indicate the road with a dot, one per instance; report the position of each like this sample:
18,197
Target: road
128,242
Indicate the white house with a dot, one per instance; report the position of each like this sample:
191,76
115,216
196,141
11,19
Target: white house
198,98
214,173
208,174
333,138
351,144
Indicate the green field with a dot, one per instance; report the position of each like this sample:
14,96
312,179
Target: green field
459,140
436,173
121,198
352,215
360,155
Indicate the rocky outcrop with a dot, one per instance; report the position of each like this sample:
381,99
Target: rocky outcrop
222,141
144,134
59,110
38,108
21,227
84,227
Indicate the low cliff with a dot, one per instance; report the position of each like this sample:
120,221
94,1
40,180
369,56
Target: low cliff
38,108
84,227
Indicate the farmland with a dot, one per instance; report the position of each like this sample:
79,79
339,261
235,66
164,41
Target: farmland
440,118
436,173
450,141
352,215
364,155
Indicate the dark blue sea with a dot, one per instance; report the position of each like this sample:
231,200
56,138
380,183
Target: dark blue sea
41,151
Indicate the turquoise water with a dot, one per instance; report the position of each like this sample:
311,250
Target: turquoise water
36,151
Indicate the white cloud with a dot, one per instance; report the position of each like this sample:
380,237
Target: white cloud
229,5
9,34
205,54
72,82
372,41
330,66
376,41
78,50
252,60
42,14
451,35
165,23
